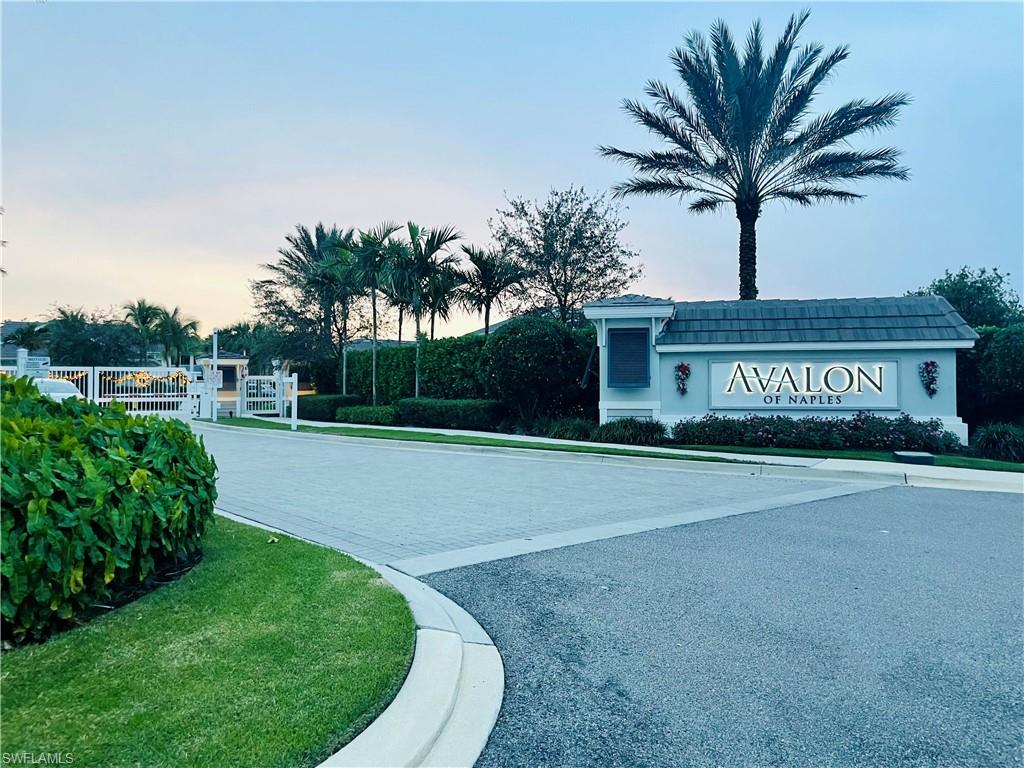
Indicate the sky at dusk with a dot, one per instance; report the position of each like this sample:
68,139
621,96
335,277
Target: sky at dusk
164,150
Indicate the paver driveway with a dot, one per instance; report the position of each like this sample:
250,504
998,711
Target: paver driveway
389,502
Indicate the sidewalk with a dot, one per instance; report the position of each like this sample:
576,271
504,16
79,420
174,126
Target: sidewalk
910,474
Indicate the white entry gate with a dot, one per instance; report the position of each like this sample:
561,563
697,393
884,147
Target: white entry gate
172,391
274,395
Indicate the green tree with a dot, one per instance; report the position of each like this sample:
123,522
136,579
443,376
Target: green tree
490,278
569,249
983,297
744,137
32,336
81,338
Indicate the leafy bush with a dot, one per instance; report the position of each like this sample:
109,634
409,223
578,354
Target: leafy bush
482,415
1003,442
864,431
385,415
572,429
450,368
533,366
323,407
631,432
322,374
990,377
396,374
96,503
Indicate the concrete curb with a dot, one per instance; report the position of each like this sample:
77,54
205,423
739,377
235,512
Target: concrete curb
827,469
446,708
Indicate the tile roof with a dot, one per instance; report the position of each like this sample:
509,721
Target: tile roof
903,318
631,299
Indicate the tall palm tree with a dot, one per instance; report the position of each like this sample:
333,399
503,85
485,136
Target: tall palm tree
370,268
143,317
743,138
427,249
177,333
399,288
490,278
31,337
346,286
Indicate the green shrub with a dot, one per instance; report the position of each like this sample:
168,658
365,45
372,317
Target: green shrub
483,415
322,374
323,407
862,431
450,368
385,415
631,432
573,428
396,374
96,504
1003,442
533,366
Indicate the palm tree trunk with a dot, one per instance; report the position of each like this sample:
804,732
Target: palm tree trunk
487,318
432,316
748,251
400,313
373,355
416,390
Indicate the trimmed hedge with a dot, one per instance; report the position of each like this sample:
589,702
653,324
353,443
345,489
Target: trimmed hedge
396,374
631,432
450,368
483,415
96,504
863,431
572,429
323,407
1003,442
384,415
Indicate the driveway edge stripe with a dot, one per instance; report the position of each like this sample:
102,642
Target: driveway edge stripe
445,561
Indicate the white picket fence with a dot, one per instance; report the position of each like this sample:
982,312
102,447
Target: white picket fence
176,392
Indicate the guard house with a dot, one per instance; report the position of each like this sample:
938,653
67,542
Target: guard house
670,361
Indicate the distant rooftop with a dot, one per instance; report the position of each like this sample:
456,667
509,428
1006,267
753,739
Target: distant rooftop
902,318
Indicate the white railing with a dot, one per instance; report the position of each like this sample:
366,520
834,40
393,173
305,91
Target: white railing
80,375
145,390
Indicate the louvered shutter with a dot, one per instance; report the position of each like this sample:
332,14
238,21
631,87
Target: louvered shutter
629,357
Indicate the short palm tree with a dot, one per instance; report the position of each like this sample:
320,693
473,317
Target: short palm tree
143,317
30,337
743,138
488,281
308,266
371,259
177,333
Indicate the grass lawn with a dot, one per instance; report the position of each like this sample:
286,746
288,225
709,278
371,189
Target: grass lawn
263,655
384,433
962,462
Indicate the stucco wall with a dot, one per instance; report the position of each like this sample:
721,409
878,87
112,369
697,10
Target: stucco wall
662,401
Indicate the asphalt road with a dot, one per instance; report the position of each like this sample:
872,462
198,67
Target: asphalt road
881,629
